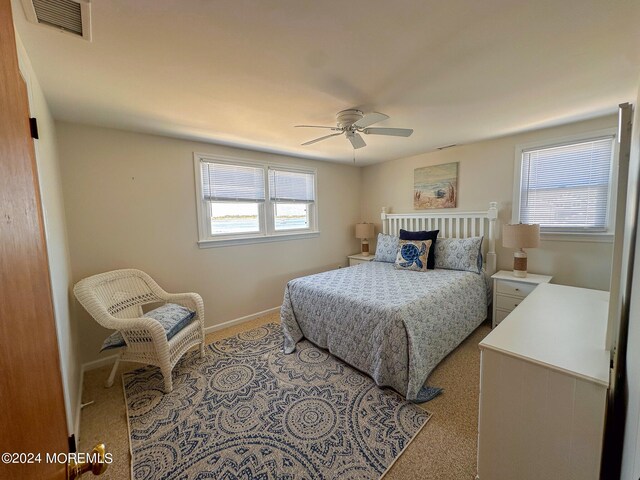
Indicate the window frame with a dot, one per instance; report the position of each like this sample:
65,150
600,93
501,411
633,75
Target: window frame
569,234
268,232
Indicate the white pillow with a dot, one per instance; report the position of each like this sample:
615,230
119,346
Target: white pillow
459,254
386,248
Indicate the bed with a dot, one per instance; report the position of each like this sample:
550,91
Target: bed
394,325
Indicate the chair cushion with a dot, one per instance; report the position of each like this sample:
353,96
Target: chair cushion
171,316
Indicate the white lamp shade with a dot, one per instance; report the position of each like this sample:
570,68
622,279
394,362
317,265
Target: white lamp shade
364,230
521,235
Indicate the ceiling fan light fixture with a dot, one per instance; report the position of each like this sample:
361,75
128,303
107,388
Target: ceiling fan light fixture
347,118
352,122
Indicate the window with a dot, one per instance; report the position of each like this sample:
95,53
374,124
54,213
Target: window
291,194
566,187
241,202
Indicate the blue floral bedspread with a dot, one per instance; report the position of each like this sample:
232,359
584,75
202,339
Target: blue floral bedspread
395,325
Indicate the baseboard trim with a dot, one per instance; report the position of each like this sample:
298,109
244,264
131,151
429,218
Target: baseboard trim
76,422
238,321
101,362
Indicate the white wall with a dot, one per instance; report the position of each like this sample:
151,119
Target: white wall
56,236
486,174
131,202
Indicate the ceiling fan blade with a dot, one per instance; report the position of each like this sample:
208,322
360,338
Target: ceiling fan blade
396,132
316,126
357,141
370,119
310,142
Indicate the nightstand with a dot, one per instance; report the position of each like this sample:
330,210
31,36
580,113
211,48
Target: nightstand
509,291
357,258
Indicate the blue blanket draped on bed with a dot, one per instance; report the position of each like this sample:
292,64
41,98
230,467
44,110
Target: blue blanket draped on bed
395,325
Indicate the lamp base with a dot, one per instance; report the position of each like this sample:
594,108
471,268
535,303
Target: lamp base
364,248
520,264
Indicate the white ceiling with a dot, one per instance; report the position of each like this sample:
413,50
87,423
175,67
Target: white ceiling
243,72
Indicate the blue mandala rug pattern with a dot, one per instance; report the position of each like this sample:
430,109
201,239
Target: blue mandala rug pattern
247,411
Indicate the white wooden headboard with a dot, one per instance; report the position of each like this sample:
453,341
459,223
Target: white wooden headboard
451,225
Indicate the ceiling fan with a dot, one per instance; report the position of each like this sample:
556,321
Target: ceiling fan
352,123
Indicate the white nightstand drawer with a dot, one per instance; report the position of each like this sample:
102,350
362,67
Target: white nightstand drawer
358,258
356,261
500,315
507,303
516,289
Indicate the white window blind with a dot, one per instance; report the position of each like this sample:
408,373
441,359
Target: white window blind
290,186
566,188
223,182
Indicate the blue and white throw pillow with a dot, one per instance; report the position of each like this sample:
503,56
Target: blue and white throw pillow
423,235
412,255
386,248
459,254
171,316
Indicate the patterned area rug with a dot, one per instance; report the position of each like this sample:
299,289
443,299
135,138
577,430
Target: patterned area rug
247,411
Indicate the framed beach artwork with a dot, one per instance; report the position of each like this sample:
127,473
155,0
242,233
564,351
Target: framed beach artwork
435,186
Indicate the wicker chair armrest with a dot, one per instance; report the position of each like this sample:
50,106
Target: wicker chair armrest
192,301
189,300
143,327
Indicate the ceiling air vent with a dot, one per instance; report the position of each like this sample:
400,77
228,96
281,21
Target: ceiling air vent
68,16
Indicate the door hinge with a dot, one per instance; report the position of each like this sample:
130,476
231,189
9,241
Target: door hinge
33,124
612,357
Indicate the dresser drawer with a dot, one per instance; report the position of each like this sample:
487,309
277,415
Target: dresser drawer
500,315
516,289
507,303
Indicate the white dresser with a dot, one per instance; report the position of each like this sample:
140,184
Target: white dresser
509,291
544,376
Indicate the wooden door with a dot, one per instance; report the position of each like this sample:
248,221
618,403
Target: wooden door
32,415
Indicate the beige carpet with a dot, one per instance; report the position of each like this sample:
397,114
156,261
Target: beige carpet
444,449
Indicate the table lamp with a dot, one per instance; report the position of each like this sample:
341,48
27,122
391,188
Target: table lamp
520,236
364,231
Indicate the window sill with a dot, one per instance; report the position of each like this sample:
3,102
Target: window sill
280,237
577,237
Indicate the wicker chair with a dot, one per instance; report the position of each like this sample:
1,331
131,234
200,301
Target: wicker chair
115,300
